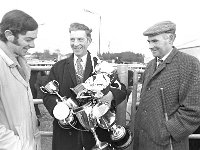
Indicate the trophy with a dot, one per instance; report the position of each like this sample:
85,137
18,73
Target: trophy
85,94
100,109
65,115
63,111
120,136
85,116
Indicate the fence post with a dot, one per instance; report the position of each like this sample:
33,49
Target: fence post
122,70
133,106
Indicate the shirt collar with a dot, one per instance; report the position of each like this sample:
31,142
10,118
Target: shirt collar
8,58
84,59
165,55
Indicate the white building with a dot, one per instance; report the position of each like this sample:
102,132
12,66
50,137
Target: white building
194,51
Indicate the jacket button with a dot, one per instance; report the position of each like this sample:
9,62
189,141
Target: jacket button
70,133
149,89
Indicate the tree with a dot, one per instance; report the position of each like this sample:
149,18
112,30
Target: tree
126,57
45,55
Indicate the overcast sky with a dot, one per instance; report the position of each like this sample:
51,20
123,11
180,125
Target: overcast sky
122,22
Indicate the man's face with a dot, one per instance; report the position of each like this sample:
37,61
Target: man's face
79,42
159,45
23,43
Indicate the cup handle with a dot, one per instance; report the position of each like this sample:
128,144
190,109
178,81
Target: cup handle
42,88
55,82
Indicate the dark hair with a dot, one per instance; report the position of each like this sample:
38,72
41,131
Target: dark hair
79,26
17,22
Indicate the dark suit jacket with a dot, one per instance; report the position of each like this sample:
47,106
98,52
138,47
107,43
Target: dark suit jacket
64,72
179,76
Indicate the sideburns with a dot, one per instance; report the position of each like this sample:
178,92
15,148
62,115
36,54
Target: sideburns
16,41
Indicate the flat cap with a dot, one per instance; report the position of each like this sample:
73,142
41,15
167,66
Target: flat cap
161,27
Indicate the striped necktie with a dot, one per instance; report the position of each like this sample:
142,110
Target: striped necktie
79,71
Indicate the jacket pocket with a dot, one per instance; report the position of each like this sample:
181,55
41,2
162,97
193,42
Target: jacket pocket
20,134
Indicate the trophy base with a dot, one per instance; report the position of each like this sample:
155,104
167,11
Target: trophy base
101,146
124,142
72,122
118,133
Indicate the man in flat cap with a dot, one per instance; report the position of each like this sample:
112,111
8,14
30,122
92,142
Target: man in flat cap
169,109
161,27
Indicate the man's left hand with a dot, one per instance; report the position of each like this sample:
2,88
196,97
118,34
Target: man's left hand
107,99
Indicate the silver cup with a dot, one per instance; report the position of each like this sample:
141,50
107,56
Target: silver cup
63,111
64,115
88,121
51,88
120,136
100,109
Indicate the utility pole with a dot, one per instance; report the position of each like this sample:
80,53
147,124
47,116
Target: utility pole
99,52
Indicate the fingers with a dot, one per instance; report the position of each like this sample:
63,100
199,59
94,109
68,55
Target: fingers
107,99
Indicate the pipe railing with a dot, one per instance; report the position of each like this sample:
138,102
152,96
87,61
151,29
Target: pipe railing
124,80
49,133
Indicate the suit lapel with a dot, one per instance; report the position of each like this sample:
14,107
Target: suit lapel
70,64
152,69
17,75
88,67
165,62
13,68
159,69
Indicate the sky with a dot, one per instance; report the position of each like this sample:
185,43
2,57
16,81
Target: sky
121,23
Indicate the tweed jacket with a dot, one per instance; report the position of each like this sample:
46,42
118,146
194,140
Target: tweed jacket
64,72
179,76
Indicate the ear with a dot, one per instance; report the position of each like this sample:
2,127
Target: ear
89,40
9,36
172,38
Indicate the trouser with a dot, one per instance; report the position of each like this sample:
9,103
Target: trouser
72,139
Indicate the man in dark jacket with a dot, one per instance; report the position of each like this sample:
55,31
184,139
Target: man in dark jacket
169,109
65,72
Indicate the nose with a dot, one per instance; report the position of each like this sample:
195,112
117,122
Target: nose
32,44
76,43
151,45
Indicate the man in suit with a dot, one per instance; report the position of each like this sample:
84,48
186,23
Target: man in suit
66,73
169,109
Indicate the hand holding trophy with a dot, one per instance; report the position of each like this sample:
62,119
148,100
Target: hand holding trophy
87,101
63,110
94,98
121,137
92,107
